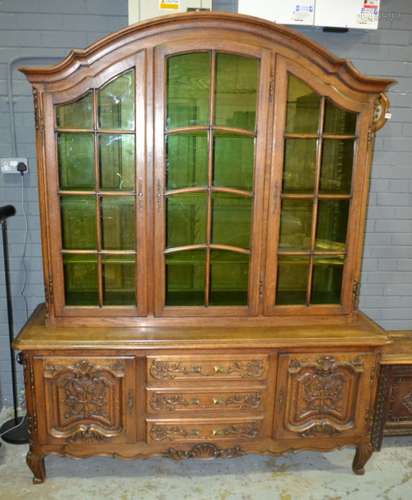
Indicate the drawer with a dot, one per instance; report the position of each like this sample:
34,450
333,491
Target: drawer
171,369
167,401
190,430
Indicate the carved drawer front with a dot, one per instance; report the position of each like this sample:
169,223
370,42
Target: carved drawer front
86,399
169,401
399,416
207,367
324,395
167,431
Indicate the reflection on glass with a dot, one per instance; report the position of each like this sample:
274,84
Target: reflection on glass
185,278
77,114
117,103
292,280
118,222
337,162
339,121
327,280
186,219
237,80
332,225
119,280
303,107
229,278
76,161
80,280
188,89
296,224
187,160
300,165
117,163
231,220
233,161
78,222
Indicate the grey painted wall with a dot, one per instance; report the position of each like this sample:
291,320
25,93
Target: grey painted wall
49,28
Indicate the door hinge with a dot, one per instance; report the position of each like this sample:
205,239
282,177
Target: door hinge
261,291
48,292
371,135
356,292
271,89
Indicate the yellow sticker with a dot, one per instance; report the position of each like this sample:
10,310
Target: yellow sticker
170,5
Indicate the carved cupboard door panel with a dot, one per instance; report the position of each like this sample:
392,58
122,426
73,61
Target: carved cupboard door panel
399,417
86,399
324,394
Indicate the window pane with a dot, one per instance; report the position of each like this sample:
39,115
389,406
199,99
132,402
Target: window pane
187,160
117,162
118,222
300,165
186,219
339,121
76,161
337,163
233,161
292,280
77,114
296,225
229,278
185,278
119,280
236,91
332,225
78,222
231,220
80,280
117,103
327,280
188,90
303,107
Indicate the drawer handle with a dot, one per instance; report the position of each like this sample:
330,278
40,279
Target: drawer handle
219,369
195,402
217,402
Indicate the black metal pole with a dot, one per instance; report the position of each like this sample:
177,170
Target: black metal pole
10,315
13,431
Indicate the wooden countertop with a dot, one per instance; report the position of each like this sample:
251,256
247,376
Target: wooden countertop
36,335
399,351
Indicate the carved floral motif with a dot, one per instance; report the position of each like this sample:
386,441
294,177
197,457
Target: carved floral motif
174,432
173,402
168,370
86,433
205,450
323,392
322,428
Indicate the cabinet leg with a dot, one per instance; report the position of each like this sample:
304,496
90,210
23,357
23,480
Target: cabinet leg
35,461
362,455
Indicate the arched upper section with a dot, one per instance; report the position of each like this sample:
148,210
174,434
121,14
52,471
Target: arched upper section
253,30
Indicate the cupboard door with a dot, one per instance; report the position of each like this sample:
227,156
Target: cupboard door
86,399
98,196
210,129
314,193
324,395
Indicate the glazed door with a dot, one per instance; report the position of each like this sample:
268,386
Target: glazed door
211,122
318,171
95,143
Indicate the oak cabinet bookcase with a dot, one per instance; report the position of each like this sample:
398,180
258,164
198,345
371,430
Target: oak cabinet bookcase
203,185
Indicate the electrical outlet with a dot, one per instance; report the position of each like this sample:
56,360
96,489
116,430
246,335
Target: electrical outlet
10,165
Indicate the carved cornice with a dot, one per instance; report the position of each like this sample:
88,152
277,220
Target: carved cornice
205,451
169,370
343,70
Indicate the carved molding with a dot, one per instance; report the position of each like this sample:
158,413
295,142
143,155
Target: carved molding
169,370
326,364
379,417
172,402
83,367
38,115
86,433
323,428
175,432
205,451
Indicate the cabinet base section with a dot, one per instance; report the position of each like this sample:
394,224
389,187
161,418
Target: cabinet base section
202,450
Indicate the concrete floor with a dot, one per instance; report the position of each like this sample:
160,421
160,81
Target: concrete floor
300,476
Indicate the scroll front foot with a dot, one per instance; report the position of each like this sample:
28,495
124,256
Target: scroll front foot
35,461
362,455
